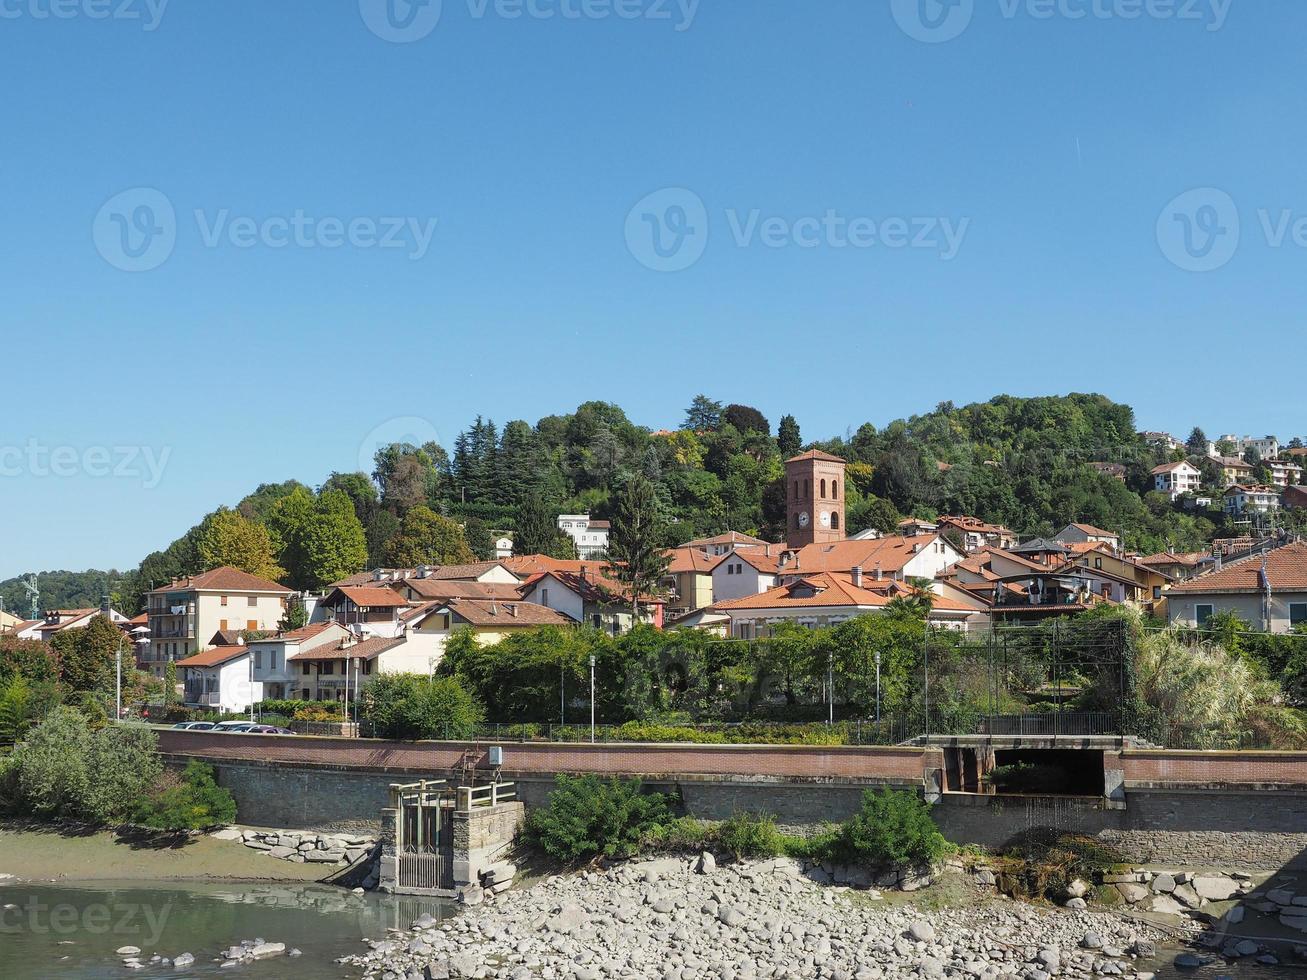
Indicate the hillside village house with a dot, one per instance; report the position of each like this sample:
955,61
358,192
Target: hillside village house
722,544
975,533
219,679
1088,534
1174,479
590,537
186,614
274,670
8,621
1243,499
746,572
62,620
826,599
374,609
1233,469
688,580
489,620
1177,565
1268,447
1269,591
587,593
1284,473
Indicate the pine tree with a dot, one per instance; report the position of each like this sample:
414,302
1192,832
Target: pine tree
635,545
537,527
703,415
788,438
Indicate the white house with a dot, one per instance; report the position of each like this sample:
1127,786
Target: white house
1088,534
1175,479
590,537
272,668
1267,447
219,679
1284,473
745,572
1243,499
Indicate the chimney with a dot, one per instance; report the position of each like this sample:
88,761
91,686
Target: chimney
878,572
512,609
494,608
424,571
857,576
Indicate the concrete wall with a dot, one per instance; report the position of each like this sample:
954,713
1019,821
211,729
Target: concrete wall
1233,810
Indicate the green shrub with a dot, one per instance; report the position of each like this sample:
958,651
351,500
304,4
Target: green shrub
680,835
750,835
193,801
891,828
588,817
63,768
1043,863
411,706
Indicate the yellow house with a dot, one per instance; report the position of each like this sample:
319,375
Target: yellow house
688,579
490,620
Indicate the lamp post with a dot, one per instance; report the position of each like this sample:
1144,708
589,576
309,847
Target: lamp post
877,687
592,699
830,684
118,682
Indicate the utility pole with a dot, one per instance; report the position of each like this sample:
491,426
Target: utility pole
118,683
830,684
877,687
592,699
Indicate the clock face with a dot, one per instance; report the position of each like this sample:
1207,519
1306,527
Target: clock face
825,519
803,519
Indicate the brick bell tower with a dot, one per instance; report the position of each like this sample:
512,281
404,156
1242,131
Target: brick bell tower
814,494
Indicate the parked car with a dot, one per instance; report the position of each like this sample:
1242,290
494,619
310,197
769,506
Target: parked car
266,730
233,726
194,726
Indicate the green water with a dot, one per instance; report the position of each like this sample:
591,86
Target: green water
71,931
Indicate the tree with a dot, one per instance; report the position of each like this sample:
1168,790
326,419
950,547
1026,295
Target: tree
227,538
361,491
1196,444
169,684
703,415
537,530
321,539
635,544
788,438
410,706
479,539
746,418
87,655
426,538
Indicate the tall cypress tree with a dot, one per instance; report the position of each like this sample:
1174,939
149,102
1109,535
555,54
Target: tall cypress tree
636,542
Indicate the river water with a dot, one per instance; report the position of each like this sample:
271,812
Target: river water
72,932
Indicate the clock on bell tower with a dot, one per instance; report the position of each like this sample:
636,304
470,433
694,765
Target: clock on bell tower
814,495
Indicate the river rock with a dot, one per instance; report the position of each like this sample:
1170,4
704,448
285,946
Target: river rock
1215,889
183,961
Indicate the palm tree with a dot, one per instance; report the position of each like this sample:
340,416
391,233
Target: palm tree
917,602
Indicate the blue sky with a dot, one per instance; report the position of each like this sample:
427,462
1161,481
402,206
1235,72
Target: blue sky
1052,146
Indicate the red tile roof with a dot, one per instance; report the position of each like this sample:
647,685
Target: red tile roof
730,537
890,554
815,454
827,589
367,650
458,588
215,657
472,570
688,559
1286,570
224,579
379,597
508,615
1095,531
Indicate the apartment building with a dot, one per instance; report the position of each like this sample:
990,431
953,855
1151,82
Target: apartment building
188,615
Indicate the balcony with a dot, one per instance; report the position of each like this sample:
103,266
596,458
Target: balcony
204,700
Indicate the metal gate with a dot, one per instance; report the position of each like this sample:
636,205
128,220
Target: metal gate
425,836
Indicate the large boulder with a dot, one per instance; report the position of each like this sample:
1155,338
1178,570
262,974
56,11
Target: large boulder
1215,889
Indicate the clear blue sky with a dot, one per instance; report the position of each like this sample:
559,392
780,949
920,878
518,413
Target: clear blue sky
1058,141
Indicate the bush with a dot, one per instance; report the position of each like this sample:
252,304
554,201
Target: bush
64,769
410,706
588,817
892,828
193,801
1042,864
751,835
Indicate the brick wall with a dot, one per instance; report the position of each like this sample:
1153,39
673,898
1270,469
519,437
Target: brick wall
798,761
1172,767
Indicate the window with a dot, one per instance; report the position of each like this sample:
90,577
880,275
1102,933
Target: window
823,489
1203,613
1297,613
1157,592
835,489
544,597
251,624
835,521
222,600
258,659
304,669
328,667
1098,563
796,489
596,621
222,625
805,489
253,600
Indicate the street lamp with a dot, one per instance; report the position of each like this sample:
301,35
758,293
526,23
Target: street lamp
878,687
830,684
118,681
592,699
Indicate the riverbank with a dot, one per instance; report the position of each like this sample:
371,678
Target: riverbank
40,854
686,920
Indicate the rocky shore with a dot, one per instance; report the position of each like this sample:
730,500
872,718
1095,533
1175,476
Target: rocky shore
674,919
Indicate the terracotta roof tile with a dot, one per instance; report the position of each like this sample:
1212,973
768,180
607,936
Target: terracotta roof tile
509,615
215,657
224,579
1286,569
367,650
378,597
